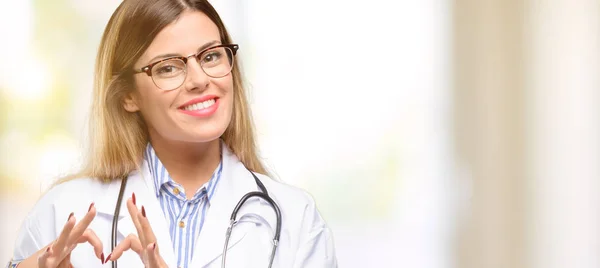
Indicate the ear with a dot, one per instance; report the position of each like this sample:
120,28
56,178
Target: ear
130,103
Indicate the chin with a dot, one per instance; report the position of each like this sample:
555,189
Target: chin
205,133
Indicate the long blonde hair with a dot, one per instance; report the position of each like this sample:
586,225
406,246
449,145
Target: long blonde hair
117,137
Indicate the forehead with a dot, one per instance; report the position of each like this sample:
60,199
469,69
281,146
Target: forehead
183,36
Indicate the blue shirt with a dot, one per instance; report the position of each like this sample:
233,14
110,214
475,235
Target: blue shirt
185,217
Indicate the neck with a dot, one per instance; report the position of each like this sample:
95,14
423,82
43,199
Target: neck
189,164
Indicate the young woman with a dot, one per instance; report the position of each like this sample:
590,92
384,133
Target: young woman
172,137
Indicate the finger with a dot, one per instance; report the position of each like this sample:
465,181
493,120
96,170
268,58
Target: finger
153,257
43,259
60,244
130,242
146,229
90,236
66,262
133,212
83,225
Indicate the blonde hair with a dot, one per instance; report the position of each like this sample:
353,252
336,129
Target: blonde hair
117,137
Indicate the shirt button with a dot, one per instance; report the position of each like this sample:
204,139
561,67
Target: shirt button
181,224
176,191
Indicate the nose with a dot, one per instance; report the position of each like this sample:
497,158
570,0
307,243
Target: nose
195,79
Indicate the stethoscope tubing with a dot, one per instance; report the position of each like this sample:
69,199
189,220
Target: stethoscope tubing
113,243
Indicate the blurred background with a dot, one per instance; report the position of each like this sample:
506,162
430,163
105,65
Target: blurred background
448,134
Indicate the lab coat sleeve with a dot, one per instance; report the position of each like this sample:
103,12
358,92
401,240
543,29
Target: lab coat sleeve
37,230
316,246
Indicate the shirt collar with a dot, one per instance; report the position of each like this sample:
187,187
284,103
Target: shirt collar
160,175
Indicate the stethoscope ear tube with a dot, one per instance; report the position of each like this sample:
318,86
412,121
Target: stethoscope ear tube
232,220
271,202
266,198
113,243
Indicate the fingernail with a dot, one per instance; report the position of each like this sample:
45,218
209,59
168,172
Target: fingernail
102,258
48,249
154,246
91,205
133,198
108,258
143,212
70,215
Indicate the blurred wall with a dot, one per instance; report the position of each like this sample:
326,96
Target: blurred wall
563,126
527,132
489,94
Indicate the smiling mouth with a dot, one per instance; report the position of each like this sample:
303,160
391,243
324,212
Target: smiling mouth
200,105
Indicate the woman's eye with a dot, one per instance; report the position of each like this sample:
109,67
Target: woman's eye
167,69
211,57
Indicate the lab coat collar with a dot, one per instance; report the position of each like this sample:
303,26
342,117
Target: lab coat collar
235,182
161,176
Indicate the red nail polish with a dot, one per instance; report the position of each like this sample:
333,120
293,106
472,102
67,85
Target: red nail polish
133,198
143,212
102,258
70,215
154,246
108,258
91,205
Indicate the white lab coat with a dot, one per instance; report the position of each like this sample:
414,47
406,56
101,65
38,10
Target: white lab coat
306,240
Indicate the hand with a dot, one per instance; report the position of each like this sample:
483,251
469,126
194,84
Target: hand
144,244
58,253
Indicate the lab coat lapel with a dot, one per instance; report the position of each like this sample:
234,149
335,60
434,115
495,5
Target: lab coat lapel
141,184
235,182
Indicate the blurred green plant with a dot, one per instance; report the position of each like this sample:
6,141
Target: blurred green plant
60,34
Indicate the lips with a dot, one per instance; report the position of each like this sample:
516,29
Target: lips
199,103
204,106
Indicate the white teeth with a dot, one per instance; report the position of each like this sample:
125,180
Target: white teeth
200,106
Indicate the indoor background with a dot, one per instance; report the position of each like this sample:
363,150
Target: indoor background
432,133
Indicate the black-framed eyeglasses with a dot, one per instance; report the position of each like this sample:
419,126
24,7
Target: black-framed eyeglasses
170,73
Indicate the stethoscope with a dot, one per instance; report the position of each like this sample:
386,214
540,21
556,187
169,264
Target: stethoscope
263,194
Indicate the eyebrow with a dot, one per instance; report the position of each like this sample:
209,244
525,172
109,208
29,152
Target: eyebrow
170,55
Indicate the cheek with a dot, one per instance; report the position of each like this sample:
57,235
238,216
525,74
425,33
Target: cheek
225,84
226,88
149,94
149,99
